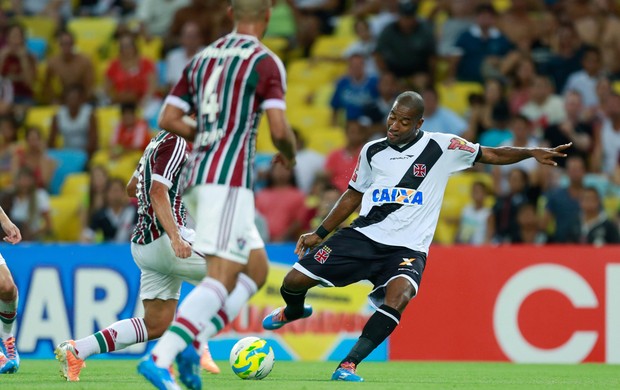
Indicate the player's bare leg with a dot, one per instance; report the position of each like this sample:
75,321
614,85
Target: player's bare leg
9,358
293,291
379,326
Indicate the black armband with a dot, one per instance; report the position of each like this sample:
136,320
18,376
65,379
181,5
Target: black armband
321,232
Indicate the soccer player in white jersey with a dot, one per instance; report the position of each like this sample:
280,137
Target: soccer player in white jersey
228,86
399,182
160,246
9,358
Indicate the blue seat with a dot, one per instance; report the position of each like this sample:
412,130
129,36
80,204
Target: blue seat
38,47
68,161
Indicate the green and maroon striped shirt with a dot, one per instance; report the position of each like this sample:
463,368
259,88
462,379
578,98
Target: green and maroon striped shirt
228,85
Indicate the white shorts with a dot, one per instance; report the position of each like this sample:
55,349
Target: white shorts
162,273
2,261
224,221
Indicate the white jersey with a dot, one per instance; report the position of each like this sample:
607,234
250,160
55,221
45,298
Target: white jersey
403,187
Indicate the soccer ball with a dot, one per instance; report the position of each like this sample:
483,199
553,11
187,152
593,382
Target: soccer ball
251,358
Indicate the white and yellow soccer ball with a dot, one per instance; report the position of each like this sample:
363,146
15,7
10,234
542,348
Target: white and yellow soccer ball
251,358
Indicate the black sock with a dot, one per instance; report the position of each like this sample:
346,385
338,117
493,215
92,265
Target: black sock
379,326
294,303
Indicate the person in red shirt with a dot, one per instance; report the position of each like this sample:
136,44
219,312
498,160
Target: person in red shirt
132,133
282,204
130,78
341,163
18,66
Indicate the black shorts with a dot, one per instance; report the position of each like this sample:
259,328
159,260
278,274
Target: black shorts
349,256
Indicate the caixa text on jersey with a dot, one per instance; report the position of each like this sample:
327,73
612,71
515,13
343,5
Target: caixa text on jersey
397,195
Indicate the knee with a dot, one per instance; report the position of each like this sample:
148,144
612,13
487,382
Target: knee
398,301
296,281
8,290
155,327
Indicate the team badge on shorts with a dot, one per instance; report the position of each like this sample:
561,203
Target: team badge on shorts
322,254
419,170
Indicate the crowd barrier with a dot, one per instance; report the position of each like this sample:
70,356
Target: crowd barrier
552,304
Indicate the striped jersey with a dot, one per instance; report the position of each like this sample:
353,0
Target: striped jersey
403,186
162,161
228,85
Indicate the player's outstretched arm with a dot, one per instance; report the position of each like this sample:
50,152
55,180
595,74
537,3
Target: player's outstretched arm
163,212
281,135
174,120
347,204
509,155
13,235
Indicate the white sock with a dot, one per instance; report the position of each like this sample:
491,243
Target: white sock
8,313
115,337
242,293
194,313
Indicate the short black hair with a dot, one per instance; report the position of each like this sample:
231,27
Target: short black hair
412,100
485,8
129,106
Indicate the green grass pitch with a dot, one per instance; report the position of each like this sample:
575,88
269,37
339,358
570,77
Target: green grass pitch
121,374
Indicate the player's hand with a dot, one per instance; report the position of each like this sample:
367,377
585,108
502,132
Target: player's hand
305,242
181,248
546,155
13,235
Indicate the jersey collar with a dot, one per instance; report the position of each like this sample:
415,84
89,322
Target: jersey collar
406,146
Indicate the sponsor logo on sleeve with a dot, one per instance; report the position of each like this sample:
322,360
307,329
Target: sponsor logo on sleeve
460,144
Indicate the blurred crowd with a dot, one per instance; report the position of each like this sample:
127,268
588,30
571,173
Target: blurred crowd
506,72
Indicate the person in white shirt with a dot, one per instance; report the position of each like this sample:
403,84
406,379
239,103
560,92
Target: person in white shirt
399,183
438,118
584,81
155,16
473,223
191,43
544,108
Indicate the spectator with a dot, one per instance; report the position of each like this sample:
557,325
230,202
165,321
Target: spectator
329,198
29,207
282,204
520,25
68,68
502,223
33,155
191,43
8,135
521,131
601,28
438,118
544,108
210,15
6,96
353,91
378,109
563,203
75,121
489,115
364,45
460,19
58,10
130,78
604,91
406,47
473,223
575,128
18,66
115,8
380,13
131,134
528,229
610,136
309,164
155,16
96,191
567,52
115,221
584,81
595,228
522,80
340,163
479,49
313,18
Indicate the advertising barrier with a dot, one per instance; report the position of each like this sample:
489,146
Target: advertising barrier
70,291
551,304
